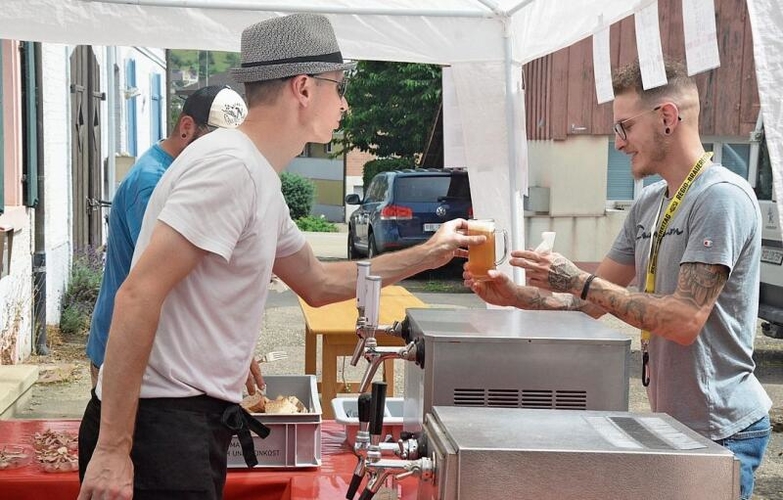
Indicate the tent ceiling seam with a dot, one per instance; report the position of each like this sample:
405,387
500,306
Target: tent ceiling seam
253,6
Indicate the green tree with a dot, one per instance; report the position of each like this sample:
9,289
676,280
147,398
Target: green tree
393,107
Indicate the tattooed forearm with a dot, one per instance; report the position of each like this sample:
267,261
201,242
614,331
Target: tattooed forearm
563,275
546,301
678,316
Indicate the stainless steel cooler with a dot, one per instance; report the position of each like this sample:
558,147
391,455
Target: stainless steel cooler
554,454
514,359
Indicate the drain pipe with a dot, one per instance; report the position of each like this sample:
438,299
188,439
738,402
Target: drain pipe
39,257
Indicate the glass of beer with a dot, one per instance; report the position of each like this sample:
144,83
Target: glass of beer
482,258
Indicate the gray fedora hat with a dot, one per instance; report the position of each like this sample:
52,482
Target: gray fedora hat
287,46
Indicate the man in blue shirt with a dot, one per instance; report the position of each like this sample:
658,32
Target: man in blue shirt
206,109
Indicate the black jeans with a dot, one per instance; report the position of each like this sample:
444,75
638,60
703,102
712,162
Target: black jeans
180,447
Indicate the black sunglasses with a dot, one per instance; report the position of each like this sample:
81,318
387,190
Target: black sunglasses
342,85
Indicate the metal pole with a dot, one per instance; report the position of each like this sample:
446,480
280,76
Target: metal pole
517,240
39,257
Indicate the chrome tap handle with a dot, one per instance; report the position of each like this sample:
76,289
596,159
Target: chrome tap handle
372,307
358,351
362,271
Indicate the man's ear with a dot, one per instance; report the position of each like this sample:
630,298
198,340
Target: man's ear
301,85
670,114
187,127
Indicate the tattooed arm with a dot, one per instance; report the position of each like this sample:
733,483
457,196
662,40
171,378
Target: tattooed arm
678,317
503,292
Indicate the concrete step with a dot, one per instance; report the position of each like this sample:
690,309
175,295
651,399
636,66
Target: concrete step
16,382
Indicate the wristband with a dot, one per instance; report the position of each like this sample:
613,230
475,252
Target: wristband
586,288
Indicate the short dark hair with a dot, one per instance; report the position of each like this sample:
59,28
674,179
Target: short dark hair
264,92
629,79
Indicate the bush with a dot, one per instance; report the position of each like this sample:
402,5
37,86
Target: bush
82,291
315,224
299,194
373,167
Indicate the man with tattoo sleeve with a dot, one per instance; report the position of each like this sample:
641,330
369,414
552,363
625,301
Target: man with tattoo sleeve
693,243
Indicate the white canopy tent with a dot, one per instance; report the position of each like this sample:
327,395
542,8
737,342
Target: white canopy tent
484,41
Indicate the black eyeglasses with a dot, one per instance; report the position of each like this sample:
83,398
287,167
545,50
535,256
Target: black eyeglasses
619,129
342,85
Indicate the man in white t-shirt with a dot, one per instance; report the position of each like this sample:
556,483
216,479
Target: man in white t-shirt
188,316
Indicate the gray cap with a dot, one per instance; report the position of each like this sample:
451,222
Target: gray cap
281,47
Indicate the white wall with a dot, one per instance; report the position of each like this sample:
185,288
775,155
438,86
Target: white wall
57,155
575,173
147,60
16,298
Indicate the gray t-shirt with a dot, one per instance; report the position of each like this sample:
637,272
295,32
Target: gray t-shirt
709,385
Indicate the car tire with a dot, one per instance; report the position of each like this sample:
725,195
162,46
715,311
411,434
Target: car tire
352,253
372,250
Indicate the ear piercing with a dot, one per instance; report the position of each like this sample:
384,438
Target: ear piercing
184,136
667,131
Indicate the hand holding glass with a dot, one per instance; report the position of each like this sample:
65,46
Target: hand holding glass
482,258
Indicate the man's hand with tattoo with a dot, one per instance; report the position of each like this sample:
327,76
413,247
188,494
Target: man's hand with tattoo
550,271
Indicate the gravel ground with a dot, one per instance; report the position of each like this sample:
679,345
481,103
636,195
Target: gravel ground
284,330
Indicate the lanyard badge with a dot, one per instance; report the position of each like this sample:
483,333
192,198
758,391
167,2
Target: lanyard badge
655,245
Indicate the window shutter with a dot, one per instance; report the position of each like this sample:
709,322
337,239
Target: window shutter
130,105
29,126
156,129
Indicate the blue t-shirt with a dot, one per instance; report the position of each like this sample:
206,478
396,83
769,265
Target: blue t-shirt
127,213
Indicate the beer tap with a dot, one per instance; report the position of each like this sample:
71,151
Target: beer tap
362,443
369,346
368,300
377,409
376,467
362,271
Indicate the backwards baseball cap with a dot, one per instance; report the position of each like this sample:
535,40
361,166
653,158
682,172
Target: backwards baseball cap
281,47
216,106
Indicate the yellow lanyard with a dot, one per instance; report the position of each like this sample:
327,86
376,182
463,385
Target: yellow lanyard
655,246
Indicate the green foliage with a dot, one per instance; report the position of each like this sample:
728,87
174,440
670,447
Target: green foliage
373,167
299,194
82,291
315,224
393,106
207,61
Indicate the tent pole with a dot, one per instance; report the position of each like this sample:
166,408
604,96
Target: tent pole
511,127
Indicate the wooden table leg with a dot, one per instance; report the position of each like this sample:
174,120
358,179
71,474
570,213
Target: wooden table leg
328,376
388,377
311,346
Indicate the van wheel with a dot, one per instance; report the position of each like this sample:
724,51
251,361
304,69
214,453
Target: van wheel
352,254
372,251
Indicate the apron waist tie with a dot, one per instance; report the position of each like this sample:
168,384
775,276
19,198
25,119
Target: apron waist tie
240,422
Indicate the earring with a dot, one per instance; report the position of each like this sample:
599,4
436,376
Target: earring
184,136
667,131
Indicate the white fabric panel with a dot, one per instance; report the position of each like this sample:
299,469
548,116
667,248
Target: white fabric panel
482,107
398,38
545,26
766,18
453,139
539,28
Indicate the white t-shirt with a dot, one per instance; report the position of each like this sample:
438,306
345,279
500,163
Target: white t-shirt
224,197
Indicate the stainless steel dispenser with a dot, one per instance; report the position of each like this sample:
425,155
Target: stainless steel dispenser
513,359
518,454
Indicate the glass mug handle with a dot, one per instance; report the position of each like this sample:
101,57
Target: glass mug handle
505,246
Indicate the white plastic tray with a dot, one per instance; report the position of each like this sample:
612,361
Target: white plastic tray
346,412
